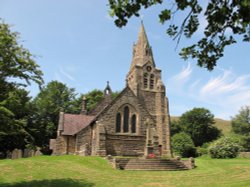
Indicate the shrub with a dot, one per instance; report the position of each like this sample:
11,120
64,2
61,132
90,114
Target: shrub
241,122
246,143
199,124
183,145
202,151
225,147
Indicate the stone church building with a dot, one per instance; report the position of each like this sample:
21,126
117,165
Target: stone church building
135,123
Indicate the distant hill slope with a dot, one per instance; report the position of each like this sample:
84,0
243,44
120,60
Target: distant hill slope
224,125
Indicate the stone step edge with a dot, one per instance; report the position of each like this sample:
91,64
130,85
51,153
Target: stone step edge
156,169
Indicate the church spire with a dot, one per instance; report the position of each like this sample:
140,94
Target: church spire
142,41
142,52
142,74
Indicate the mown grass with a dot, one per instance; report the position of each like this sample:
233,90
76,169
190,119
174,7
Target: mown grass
76,171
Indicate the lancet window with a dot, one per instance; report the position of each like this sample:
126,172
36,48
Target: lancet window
126,120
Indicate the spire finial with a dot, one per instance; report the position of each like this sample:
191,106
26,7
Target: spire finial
107,90
141,17
142,36
141,20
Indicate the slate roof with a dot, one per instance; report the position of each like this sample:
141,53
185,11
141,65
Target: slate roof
73,123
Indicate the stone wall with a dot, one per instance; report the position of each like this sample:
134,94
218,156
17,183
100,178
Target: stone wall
148,98
130,143
63,144
108,117
126,145
190,163
244,154
71,144
83,142
60,146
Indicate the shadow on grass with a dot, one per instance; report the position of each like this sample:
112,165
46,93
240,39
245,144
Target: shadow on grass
49,183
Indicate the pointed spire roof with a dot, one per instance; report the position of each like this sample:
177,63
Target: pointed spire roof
142,52
142,37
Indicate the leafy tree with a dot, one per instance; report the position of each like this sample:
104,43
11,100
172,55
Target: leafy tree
221,16
198,123
241,122
54,97
225,147
15,60
241,126
245,142
183,145
15,110
175,127
93,98
17,69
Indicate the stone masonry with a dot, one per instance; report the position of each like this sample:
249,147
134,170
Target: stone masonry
135,123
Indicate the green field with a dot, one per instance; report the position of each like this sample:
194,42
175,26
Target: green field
75,171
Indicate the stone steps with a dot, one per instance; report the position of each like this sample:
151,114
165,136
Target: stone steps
150,164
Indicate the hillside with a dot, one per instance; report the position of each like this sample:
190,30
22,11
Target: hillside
77,171
224,125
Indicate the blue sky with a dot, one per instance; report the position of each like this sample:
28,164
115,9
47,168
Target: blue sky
77,43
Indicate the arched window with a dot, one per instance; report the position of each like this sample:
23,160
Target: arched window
118,123
145,80
152,80
125,119
133,124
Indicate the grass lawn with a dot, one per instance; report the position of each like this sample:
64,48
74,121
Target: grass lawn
76,171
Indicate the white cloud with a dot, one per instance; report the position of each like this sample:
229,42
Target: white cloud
223,94
177,82
66,74
227,84
228,92
214,85
184,75
194,85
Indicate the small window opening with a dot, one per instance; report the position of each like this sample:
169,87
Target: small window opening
151,81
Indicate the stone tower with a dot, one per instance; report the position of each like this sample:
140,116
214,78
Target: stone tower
144,79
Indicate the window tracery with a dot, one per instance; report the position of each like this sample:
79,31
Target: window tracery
126,120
